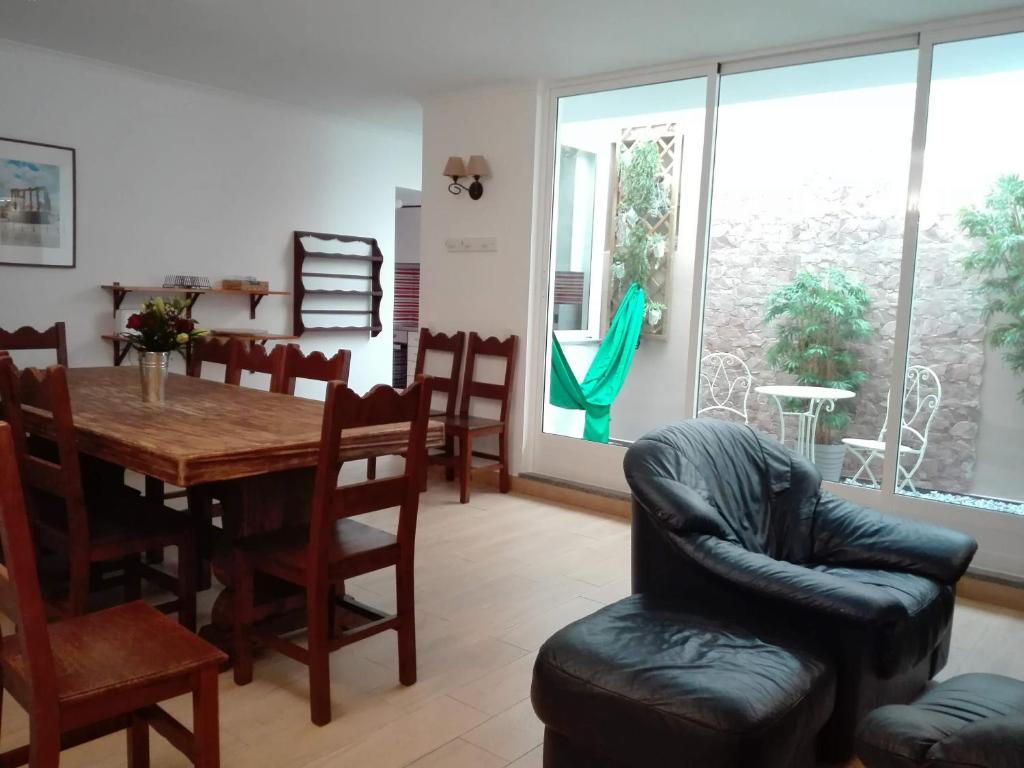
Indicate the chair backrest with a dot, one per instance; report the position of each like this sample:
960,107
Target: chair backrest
344,410
25,337
3,356
472,388
922,396
442,342
38,403
724,385
227,352
727,480
254,358
315,366
20,596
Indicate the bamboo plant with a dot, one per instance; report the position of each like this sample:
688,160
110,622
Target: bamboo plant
820,320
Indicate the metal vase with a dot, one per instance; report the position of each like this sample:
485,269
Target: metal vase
153,373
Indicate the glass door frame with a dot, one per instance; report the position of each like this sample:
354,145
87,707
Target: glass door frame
1000,535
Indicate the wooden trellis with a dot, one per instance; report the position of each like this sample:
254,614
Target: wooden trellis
669,141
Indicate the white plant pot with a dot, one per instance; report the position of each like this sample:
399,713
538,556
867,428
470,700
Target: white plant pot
829,460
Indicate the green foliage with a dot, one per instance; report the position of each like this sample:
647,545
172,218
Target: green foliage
820,320
642,196
999,262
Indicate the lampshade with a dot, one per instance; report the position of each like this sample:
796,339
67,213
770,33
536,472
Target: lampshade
478,167
455,167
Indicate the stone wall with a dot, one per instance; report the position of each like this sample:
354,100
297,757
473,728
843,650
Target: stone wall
757,247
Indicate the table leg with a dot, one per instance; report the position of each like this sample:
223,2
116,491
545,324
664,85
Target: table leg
256,505
815,411
782,419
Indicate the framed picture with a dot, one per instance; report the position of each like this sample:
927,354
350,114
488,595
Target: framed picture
37,204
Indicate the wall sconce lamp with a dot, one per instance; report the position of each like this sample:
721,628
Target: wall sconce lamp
477,167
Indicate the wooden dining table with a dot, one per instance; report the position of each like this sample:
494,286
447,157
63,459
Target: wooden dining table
257,451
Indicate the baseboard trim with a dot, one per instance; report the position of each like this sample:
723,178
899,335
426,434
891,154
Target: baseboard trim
571,494
574,494
992,589
979,585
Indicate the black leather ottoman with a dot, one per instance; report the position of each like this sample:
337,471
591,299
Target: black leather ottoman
970,721
645,682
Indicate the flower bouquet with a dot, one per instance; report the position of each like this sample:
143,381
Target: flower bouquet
157,329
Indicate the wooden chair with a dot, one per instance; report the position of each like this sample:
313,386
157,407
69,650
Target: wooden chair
88,676
333,547
465,427
29,338
285,364
226,352
315,366
116,527
455,345
254,358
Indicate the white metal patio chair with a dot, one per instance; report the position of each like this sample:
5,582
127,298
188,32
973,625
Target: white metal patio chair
922,395
724,384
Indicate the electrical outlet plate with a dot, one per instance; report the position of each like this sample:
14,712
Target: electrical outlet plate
471,244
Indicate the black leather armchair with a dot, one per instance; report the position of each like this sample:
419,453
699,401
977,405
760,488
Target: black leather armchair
727,519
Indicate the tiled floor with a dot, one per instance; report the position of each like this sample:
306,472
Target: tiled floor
494,579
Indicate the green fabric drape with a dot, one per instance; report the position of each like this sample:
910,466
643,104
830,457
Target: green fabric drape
607,372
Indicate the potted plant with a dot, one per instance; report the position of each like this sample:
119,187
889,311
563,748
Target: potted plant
999,263
820,319
157,329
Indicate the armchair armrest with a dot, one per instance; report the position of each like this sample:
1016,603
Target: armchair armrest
848,534
997,742
805,587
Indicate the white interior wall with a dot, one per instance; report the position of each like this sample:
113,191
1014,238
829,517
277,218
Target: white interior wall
407,251
484,292
407,235
178,178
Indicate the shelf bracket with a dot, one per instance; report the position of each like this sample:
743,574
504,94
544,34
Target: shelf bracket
254,301
191,298
121,349
118,293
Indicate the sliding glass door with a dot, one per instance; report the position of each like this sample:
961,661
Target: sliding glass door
962,431
806,231
829,247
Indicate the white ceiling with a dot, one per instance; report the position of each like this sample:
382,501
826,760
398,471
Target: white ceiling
373,59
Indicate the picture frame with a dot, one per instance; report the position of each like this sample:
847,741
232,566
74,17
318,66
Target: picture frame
37,204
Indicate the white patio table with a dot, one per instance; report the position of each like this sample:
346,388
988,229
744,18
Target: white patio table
807,420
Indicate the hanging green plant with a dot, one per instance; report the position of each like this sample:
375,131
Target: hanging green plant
999,263
643,199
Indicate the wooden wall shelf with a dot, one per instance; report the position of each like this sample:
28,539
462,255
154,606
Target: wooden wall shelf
373,293
122,347
191,294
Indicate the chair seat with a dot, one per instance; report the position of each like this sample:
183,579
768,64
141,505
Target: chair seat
873,445
929,608
647,682
969,720
130,645
354,547
124,520
472,423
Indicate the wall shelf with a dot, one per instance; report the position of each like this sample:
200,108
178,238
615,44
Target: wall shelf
122,347
119,292
373,294
331,291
